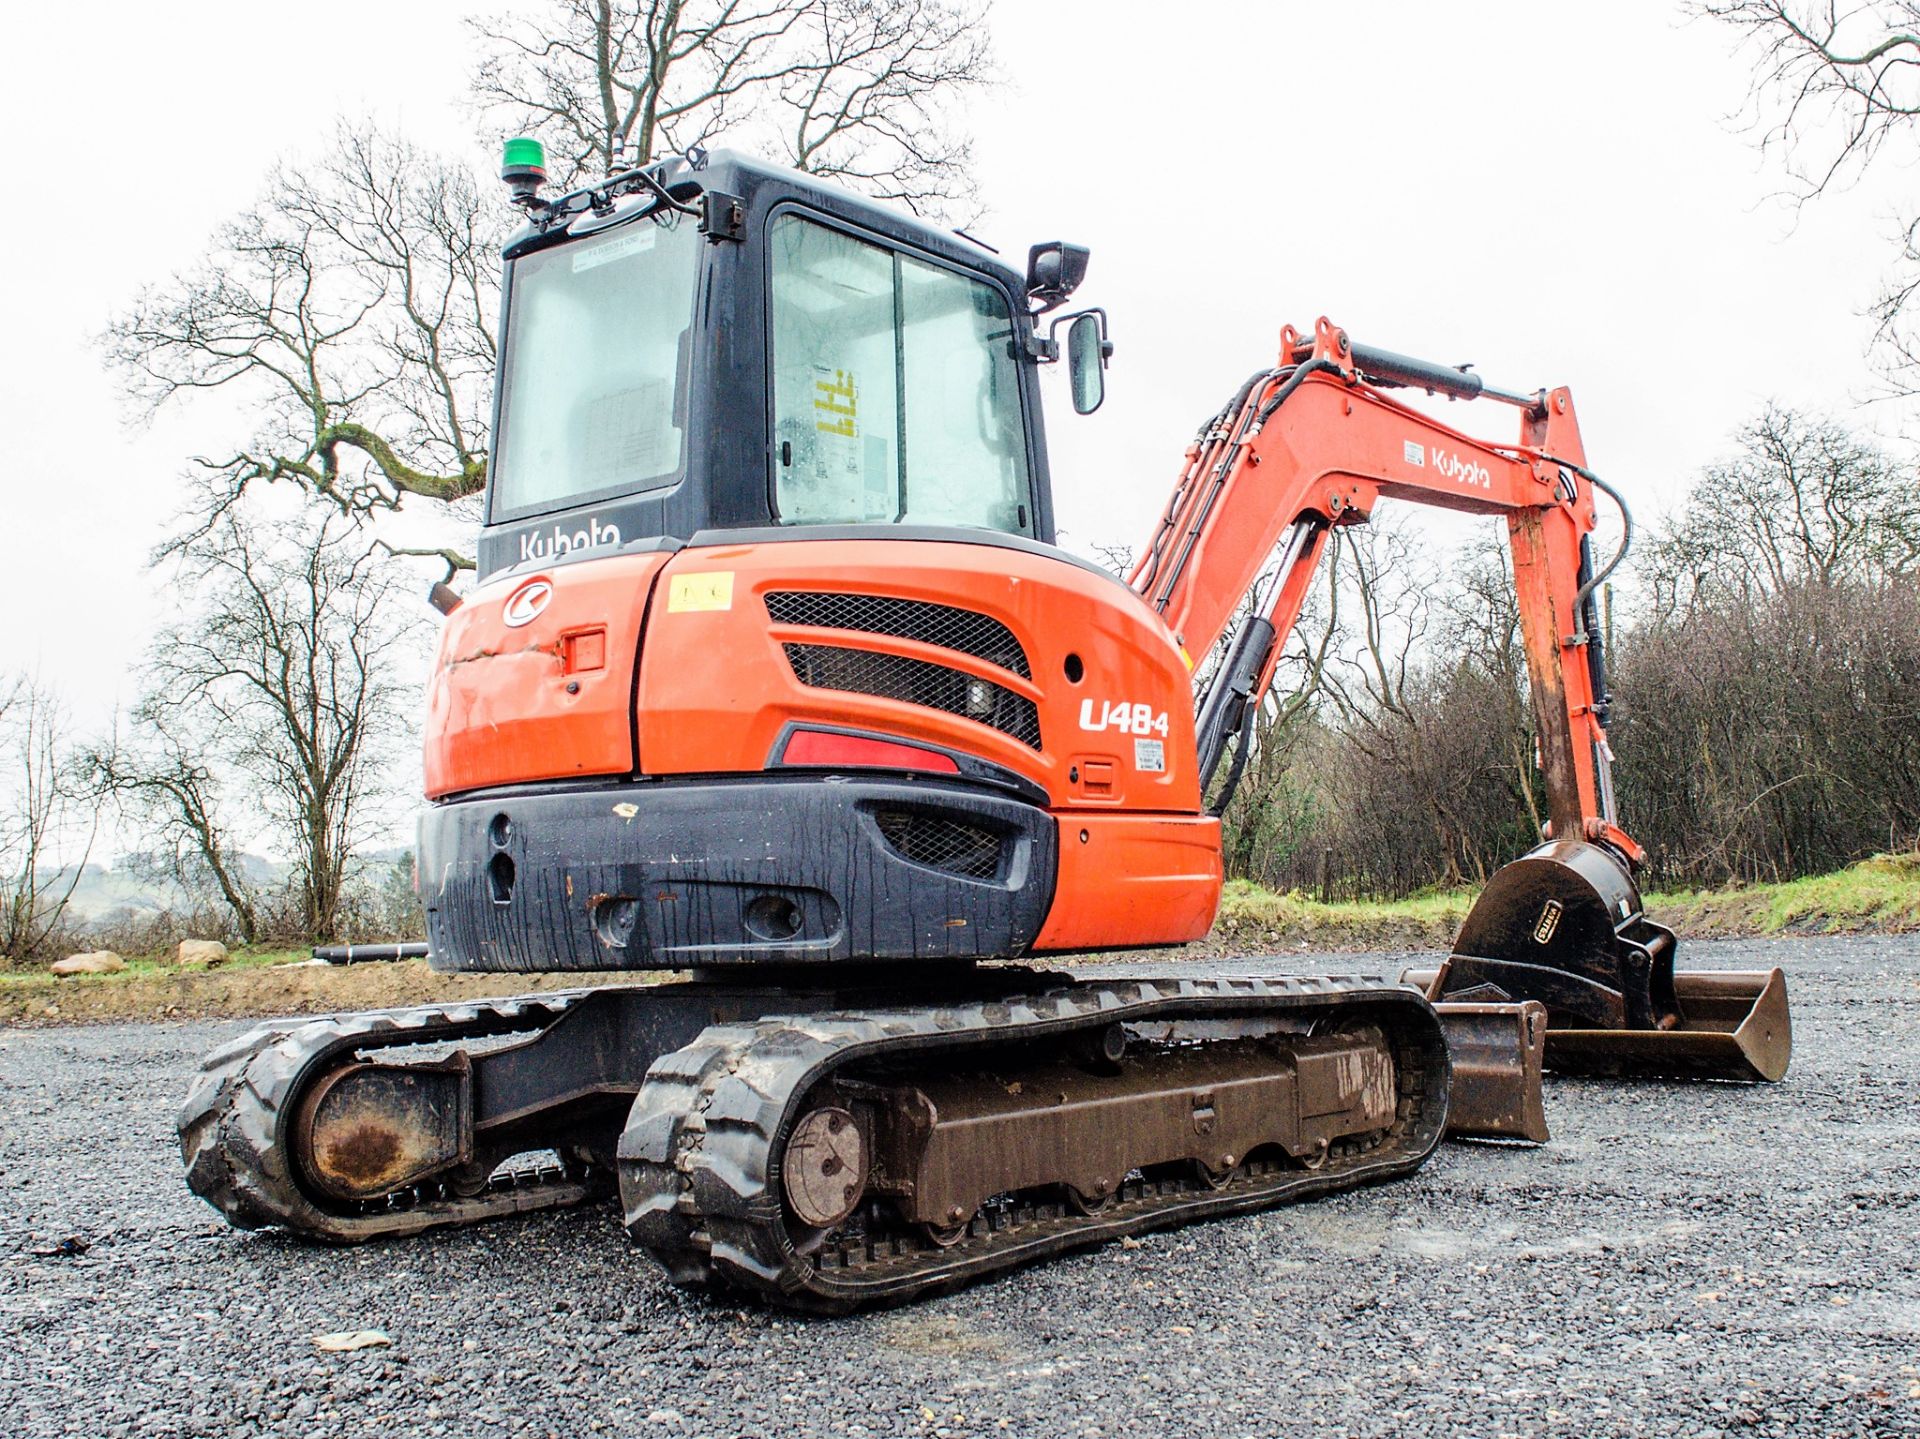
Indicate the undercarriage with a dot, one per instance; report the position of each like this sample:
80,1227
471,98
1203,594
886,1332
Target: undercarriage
827,1146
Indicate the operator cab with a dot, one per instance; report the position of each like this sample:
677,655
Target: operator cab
727,348
771,655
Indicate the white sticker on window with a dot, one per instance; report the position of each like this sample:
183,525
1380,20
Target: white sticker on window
618,247
1150,756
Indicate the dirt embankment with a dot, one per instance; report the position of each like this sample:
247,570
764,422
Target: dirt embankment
265,990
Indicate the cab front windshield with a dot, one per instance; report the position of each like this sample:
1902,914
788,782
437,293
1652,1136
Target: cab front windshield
895,388
594,377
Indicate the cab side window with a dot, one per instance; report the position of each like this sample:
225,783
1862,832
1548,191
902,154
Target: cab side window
895,388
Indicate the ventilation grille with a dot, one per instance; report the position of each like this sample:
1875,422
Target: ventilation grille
981,636
941,843
896,677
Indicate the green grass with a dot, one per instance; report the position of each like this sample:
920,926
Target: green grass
1250,914
152,965
1877,895
1430,906
1881,894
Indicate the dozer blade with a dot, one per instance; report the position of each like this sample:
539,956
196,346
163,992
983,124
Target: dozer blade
1497,1052
1735,1025
1564,925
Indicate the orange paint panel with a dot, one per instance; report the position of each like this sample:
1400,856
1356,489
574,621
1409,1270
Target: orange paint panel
1133,879
504,706
717,688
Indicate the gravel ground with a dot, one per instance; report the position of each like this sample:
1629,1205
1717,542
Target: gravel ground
1682,1259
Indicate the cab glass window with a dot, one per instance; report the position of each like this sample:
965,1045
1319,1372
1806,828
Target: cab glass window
895,388
594,376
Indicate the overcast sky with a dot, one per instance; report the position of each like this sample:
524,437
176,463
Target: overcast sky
1554,193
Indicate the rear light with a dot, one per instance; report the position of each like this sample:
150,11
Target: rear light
825,749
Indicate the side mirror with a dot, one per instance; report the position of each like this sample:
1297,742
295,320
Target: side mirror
1087,352
1054,271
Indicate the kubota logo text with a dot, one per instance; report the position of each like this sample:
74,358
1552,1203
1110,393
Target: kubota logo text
1467,472
558,541
526,602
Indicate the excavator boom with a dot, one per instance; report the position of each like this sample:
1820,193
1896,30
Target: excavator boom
1316,443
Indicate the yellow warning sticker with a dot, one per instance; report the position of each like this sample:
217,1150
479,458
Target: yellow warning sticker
712,590
836,404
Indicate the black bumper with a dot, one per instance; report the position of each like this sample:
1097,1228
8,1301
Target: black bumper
676,875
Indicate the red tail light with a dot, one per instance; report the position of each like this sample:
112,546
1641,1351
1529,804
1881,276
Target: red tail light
822,748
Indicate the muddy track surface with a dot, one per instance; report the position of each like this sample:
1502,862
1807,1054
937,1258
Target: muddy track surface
1684,1259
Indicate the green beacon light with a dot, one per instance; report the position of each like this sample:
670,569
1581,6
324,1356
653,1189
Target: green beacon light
523,165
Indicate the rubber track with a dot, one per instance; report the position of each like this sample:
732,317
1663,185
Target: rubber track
232,1123
699,1160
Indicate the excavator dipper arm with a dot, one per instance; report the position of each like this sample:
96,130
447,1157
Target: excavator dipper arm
1316,443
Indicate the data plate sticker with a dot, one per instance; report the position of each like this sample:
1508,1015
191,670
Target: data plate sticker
1150,756
636,241
710,591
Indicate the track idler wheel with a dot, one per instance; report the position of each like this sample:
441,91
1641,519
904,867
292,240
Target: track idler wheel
365,1131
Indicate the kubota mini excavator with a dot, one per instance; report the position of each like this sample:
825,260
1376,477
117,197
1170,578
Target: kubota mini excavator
773,674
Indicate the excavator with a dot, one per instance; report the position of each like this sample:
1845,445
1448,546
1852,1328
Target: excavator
774,677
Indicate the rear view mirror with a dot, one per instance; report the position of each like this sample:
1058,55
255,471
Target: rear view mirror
1087,351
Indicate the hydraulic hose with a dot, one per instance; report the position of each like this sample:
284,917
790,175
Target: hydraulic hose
1239,765
1626,526
1277,399
1156,551
1312,367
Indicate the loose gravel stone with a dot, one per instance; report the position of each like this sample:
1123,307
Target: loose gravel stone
1683,1259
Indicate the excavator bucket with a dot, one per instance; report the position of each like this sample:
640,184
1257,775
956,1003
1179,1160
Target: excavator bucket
1564,925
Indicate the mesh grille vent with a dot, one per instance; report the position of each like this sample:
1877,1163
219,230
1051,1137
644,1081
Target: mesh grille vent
978,635
829,667
941,843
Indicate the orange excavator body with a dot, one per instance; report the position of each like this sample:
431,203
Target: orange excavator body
715,692
774,674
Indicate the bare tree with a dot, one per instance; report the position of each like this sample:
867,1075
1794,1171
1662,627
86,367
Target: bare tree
1834,87
1832,84
1776,735
1393,596
1480,624
1272,809
353,307
352,310
163,781
1414,765
1801,500
47,819
863,90
281,683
